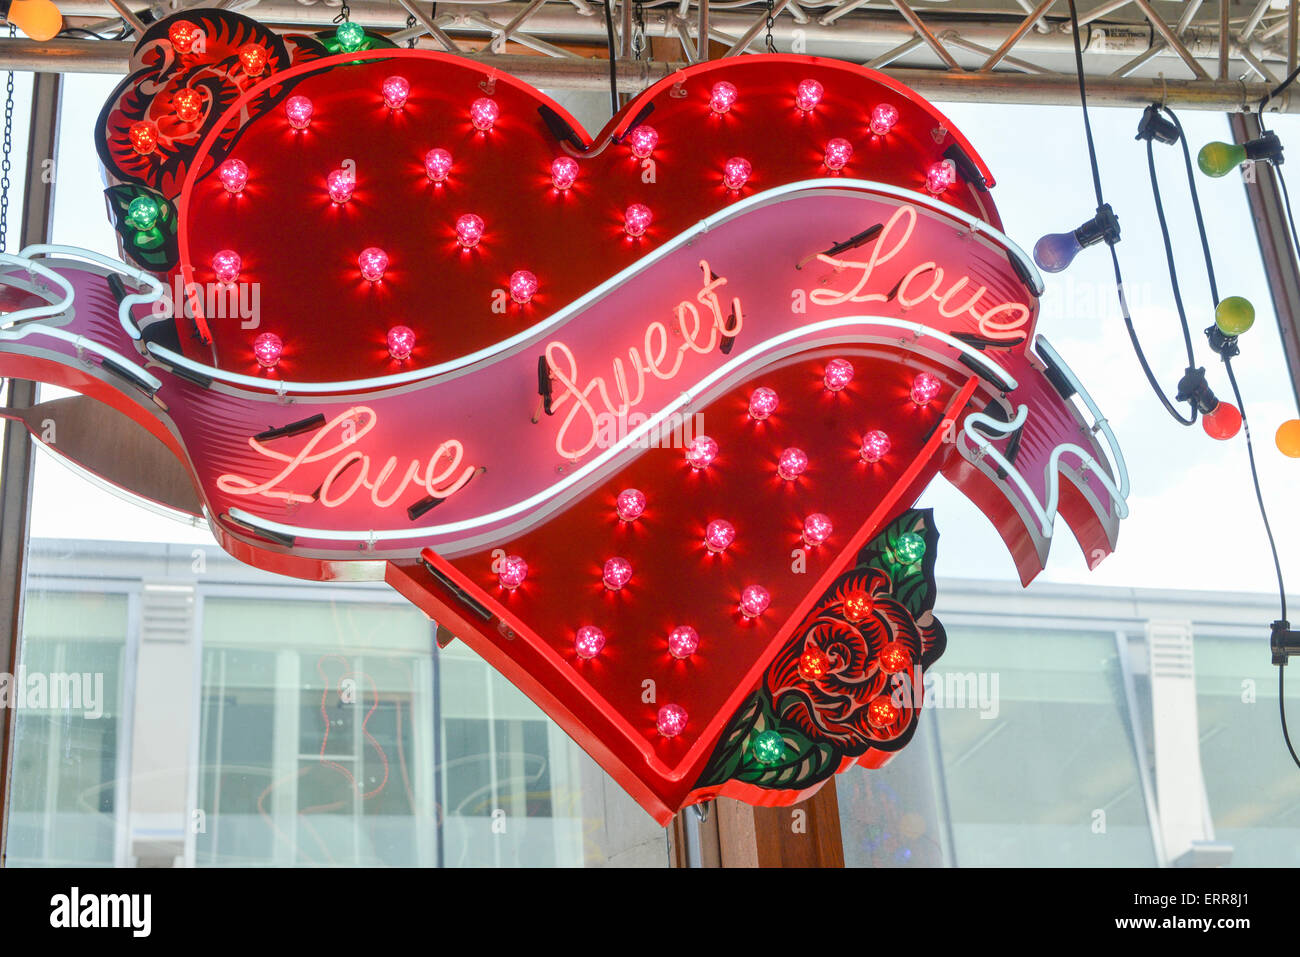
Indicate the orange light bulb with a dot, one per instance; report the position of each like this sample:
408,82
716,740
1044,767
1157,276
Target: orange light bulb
39,19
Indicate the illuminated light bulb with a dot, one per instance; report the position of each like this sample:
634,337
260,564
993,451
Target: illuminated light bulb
735,173
754,601
925,387
226,264
858,606
883,118
233,174
722,97
144,137
523,286
630,504
1220,159
1234,315
437,164
564,170
839,373
1055,251
588,642
881,713
792,464
940,176
701,451
909,549
671,721
511,572
814,664
718,535
816,529
182,35
636,220
340,183
768,747
267,348
483,113
616,573
1288,438
188,104
372,262
395,90
469,230
643,141
39,19
683,641
894,657
401,342
1223,423
142,212
351,36
762,403
807,95
875,446
838,153
298,109
253,59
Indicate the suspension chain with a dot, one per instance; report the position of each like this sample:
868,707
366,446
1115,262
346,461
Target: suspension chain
771,22
6,152
344,14
410,23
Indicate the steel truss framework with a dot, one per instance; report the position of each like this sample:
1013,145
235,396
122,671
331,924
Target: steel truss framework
1221,55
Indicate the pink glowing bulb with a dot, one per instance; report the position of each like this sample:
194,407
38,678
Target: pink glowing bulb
298,109
718,535
643,140
511,572
940,176
340,183
268,348
630,504
838,152
722,97
617,573
588,642
839,373
636,220
924,388
373,261
469,230
233,174
396,89
754,601
563,172
883,118
808,95
671,721
735,174
401,342
792,464
816,529
523,286
682,641
437,164
483,113
701,452
875,446
226,264
762,403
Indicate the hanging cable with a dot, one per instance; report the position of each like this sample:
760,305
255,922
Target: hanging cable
613,62
6,163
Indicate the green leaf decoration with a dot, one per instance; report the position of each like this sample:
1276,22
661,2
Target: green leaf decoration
155,248
913,582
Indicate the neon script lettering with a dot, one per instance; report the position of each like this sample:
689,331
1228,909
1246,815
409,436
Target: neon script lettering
336,441
593,400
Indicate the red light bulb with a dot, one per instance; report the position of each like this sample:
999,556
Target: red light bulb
735,174
630,504
636,220
340,183
588,642
267,349
483,113
925,387
895,657
401,342
792,464
682,641
1223,423
838,153
701,451
718,535
722,97
762,403
616,573
754,601
253,58
875,446
188,104
437,164
883,118
395,90
226,264
564,170
816,529
881,713
182,35
372,261
940,176
144,137
523,286
808,95
511,572
671,721
814,664
469,230
643,141
233,174
857,606
298,109
839,373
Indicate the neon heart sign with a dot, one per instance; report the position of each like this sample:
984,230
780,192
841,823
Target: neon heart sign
640,417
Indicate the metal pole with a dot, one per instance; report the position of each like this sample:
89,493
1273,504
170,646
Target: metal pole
16,458
1275,247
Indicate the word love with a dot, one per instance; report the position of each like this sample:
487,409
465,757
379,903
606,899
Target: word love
924,282
592,401
335,442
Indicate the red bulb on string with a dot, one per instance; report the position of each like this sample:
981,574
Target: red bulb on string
719,535
839,373
701,452
792,464
1223,423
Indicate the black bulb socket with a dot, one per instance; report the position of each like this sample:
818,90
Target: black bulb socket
1104,227
1268,148
1153,126
1193,388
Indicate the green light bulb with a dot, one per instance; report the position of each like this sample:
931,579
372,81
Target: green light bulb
910,548
142,212
350,36
1234,315
769,747
1220,159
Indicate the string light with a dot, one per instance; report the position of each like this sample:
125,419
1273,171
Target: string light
144,137
925,387
233,174
437,164
671,720
754,601
722,97
226,264
838,153
142,212
564,171
909,548
182,34
735,173
588,642
701,451
814,664
340,183
630,504
683,641
792,464
523,286
401,342
373,261
875,446
483,113
839,373
718,535
351,36
395,90
298,109
883,118
267,349
807,95
762,403
768,747
940,176
469,230
636,220
616,573
511,572
643,141
253,59
188,104
816,529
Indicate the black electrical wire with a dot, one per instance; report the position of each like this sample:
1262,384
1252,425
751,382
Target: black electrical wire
613,63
